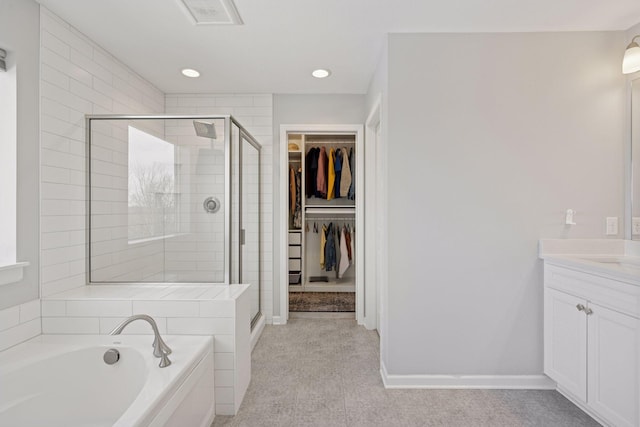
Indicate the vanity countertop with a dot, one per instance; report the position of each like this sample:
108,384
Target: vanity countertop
614,259
619,267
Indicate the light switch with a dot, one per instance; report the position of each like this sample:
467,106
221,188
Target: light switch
635,226
612,226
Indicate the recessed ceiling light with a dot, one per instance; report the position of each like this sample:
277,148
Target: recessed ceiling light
190,72
321,73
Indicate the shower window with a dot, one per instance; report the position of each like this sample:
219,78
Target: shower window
152,200
8,164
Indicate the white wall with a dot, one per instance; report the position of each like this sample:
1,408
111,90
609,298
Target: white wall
19,36
491,138
306,109
78,78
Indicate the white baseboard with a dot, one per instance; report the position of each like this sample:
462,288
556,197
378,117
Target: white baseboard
529,382
278,320
257,331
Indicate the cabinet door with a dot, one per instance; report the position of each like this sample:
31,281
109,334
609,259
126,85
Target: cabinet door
565,342
614,366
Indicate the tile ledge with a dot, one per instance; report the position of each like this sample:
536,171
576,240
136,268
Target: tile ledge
12,273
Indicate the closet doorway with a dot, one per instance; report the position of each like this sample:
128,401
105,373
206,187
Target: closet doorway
322,222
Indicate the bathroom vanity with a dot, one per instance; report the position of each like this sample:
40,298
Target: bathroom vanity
592,325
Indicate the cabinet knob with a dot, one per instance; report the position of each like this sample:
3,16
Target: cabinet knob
580,307
588,311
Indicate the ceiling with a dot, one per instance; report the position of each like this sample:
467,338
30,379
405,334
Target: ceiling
282,41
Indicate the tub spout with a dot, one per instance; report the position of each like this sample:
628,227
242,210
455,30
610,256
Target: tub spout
160,348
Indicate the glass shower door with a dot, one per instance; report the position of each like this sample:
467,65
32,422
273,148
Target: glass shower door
250,221
157,200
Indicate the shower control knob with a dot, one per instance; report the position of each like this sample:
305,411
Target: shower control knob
111,356
211,205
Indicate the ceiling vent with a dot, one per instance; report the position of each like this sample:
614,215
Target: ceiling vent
212,12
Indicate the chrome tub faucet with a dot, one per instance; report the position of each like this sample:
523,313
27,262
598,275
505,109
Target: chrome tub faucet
160,348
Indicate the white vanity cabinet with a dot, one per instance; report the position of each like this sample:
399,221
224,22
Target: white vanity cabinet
592,341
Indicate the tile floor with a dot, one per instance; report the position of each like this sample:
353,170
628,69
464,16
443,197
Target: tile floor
324,372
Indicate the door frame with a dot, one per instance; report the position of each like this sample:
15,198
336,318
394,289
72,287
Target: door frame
374,214
282,293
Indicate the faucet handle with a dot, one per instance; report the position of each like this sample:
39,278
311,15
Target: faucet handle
160,347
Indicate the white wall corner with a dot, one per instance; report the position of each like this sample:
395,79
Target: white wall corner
525,382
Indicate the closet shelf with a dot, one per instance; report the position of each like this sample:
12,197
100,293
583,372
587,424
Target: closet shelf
327,210
321,143
339,285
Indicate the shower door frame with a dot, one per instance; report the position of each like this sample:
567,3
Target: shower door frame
251,140
229,120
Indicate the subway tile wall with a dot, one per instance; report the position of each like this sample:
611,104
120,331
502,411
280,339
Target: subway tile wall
255,113
19,323
77,78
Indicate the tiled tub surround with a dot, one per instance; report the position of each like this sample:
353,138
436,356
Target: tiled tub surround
220,311
19,323
51,380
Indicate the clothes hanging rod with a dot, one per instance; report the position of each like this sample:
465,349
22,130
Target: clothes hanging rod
329,142
331,218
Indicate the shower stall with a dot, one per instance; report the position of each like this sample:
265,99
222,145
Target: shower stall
173,200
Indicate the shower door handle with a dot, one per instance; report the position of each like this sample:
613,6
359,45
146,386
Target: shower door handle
242,236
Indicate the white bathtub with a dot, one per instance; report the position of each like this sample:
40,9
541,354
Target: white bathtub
62,380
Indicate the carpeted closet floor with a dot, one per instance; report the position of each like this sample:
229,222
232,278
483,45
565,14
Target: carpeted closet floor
322,301
326,373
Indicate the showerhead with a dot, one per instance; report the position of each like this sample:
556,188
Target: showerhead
205,130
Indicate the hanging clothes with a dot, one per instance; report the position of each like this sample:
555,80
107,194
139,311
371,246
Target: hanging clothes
309,185
348,244
332,175
323,243
353,239
337,167
297,214
292,190
321,180
352,187
344,255
345,177
330,249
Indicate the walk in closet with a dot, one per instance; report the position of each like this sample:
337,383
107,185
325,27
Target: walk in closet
322,227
